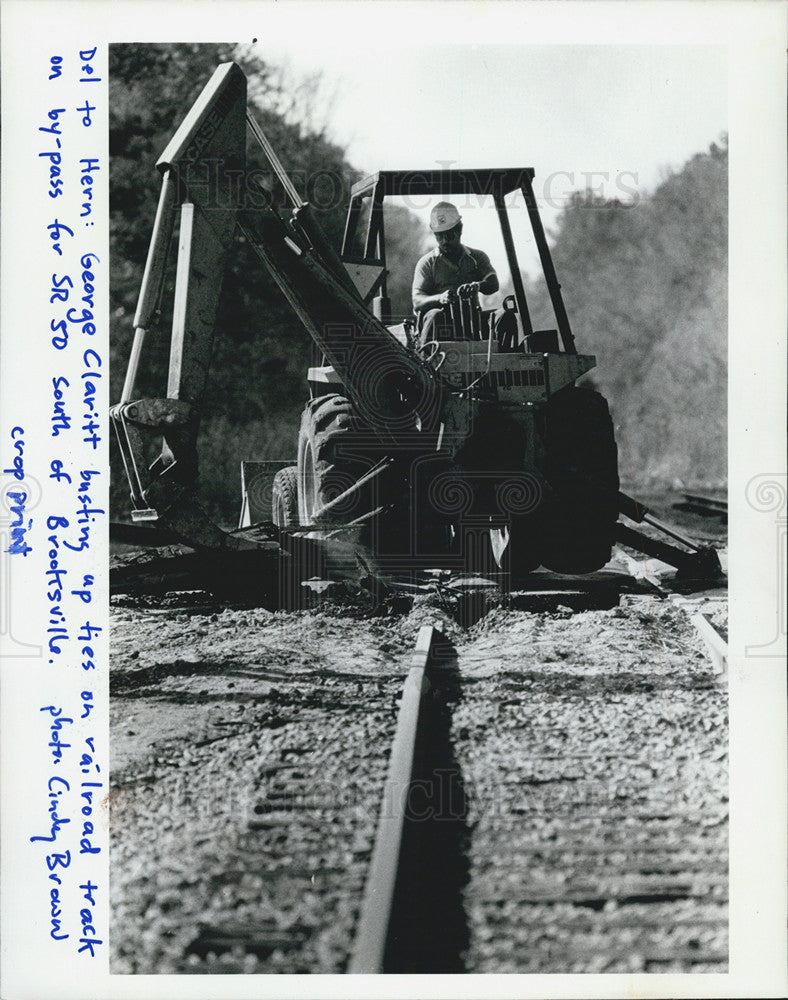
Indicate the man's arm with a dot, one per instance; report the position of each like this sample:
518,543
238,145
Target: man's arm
488,279
422,301
487,282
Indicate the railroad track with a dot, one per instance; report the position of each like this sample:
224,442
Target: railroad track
705,506
613,873
542,793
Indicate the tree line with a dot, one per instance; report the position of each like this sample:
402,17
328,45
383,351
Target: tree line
646,287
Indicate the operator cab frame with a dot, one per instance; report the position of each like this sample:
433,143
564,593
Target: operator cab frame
369,270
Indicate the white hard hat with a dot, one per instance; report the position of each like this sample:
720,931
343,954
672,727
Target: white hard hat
444,216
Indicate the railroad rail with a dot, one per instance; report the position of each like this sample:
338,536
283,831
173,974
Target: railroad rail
375,919
715,643
695,503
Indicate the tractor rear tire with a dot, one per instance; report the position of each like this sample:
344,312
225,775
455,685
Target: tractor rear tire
578,526
284,498
334,451
335,448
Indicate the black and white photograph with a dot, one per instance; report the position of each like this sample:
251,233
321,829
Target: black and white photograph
401,422
411,359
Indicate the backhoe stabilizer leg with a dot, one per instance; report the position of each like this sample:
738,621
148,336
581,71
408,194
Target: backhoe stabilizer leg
138,424
703,564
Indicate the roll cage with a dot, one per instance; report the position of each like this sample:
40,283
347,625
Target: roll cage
370,266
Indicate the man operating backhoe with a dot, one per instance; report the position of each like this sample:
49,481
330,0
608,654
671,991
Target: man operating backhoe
451,269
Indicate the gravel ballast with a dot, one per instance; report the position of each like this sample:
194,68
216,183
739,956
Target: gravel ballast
250,747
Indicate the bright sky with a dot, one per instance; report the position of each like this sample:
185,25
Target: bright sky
628,111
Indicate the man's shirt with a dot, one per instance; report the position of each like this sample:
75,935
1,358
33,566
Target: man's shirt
435,273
